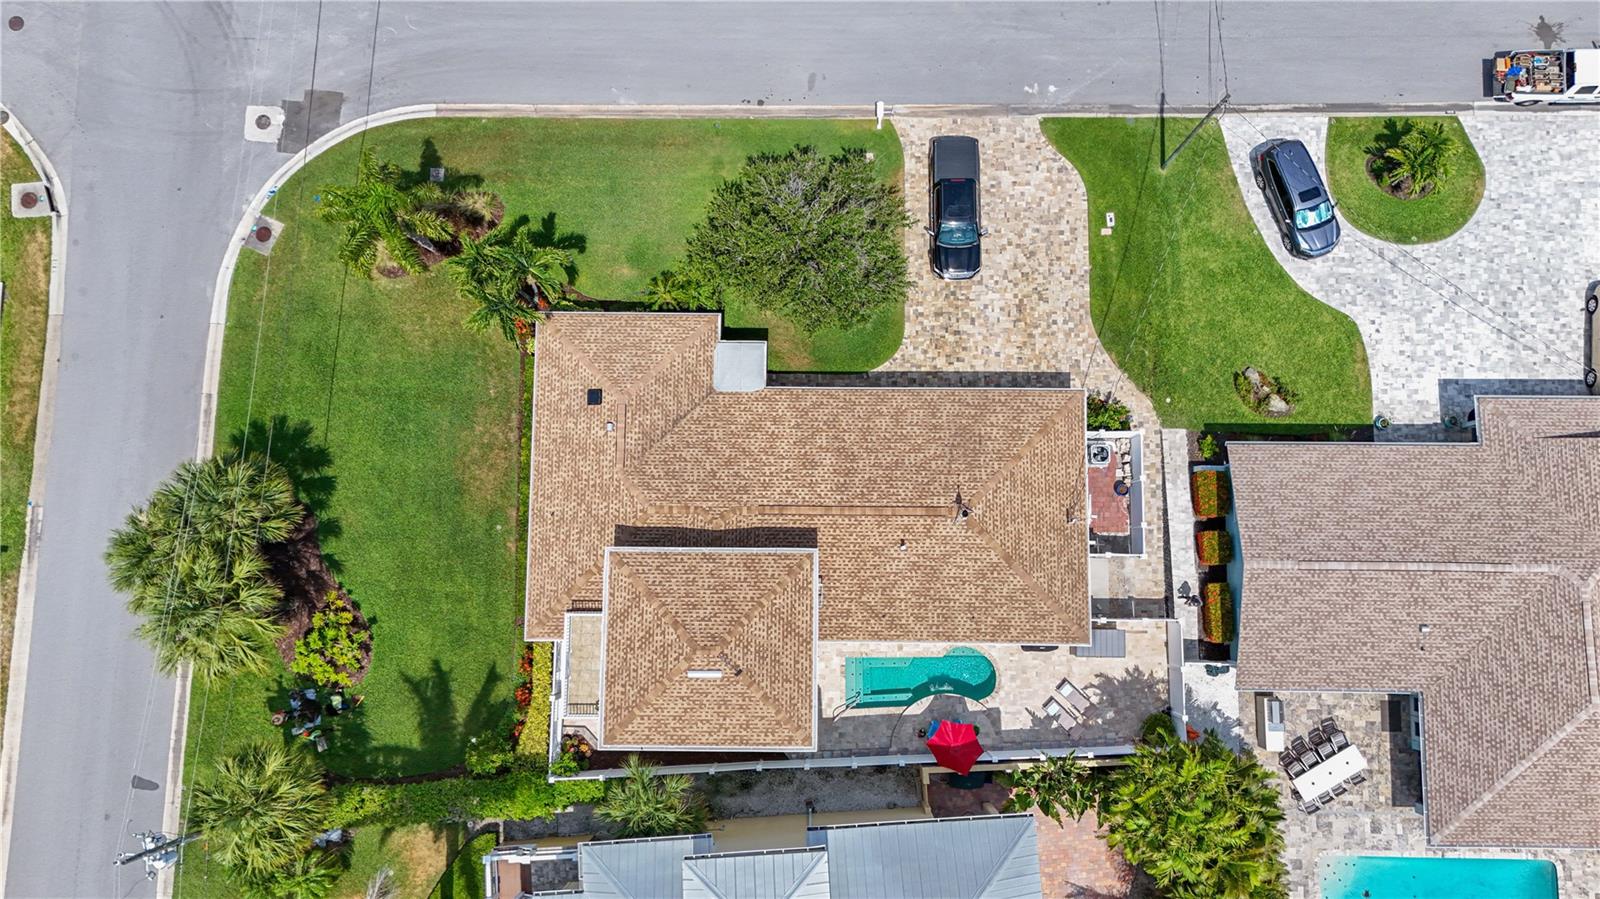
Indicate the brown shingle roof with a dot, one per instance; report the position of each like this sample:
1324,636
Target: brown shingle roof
749,615
1349,550
855,470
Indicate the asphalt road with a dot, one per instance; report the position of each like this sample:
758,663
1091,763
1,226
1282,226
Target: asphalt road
141,108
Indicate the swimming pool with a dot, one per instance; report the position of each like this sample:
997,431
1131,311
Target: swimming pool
1399,877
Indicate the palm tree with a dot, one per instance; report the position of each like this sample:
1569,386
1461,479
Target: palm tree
1421,159
382,885
1199,818
644,805
260,810
191,561
380,212
674,289
512,278
1059,784
309,875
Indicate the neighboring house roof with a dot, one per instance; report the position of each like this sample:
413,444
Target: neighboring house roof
773,874
730,630
869,476
983,857
648,868
980,857
1466,573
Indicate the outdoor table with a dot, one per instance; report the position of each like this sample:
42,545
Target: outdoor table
1324,776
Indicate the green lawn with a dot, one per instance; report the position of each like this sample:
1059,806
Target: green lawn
1185,292
1372,210
25,270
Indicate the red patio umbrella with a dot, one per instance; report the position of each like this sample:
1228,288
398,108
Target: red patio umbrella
954,745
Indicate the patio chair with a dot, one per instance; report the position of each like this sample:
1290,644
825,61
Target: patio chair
1338,790
1325,799
1301,748
1338,740
1074,698
1327,726
1296,768
1317,737
1356,779
1065,717
1326,751
1286,756
1310,807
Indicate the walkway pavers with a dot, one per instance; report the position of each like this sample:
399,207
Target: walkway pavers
1496,307
1027,311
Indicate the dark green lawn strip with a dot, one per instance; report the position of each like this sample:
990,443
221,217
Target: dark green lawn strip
1185,292
1374,211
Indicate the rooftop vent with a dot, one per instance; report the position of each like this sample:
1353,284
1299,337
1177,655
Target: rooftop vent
594,396
739,366
705,673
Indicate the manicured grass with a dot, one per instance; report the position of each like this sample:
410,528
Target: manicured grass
1185,292
464,878
1374,211
25,270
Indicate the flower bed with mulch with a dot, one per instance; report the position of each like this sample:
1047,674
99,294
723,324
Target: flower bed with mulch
297,566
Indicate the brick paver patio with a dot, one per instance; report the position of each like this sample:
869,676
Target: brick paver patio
1496,307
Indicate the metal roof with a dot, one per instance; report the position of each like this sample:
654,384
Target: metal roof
776,874
986,857
638,869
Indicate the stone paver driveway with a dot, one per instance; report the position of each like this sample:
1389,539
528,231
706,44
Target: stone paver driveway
1028,308
1495,308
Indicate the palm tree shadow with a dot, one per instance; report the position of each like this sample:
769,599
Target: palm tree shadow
291,445
443,727
547,235
429,160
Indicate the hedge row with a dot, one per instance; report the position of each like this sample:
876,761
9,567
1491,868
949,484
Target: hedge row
1210,489
519,795
534,740
1216,612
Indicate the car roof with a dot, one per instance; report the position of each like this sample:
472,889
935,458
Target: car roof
954,156
1295,163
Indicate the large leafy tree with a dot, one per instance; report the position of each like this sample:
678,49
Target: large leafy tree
1198,817
513,277
644,805
259,812
1423,156
1058,785
380,211
191,561
814,238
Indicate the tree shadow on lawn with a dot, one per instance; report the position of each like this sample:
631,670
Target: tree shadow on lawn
430,159
443,729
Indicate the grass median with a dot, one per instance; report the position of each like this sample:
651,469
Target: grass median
25,271
1185,293
1371,209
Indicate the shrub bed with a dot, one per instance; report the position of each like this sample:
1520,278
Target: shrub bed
1210,493
1107,414
1213,547
533,737
1216,612
519,795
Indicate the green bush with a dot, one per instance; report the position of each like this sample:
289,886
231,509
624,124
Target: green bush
1213,547
330,652
1208,447
1106,414
1210,493
1216,612
519,795
815,238
537,666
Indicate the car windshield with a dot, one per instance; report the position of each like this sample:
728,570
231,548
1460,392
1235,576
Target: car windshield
958,234
1314,216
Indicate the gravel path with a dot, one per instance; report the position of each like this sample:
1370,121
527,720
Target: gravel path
743,794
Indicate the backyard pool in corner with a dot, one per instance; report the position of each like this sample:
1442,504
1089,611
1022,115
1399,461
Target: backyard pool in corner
1398,877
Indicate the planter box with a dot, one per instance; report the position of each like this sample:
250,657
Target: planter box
1213,548
1211,494
1216,613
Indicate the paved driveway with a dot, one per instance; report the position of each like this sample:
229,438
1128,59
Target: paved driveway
1027,311
1495,308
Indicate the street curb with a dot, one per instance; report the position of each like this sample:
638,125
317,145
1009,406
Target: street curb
22,631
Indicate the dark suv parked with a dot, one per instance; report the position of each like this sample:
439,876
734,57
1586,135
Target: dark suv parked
1297,198
955,219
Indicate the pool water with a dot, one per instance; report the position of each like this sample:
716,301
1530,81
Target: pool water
1399,877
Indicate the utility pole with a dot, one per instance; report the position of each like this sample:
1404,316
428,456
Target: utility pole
159,853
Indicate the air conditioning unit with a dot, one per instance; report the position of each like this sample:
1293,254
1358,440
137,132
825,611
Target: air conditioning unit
1100,453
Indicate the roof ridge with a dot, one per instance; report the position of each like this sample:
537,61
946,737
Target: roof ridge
1001,859
1027,447
685,641
648,376
761,693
